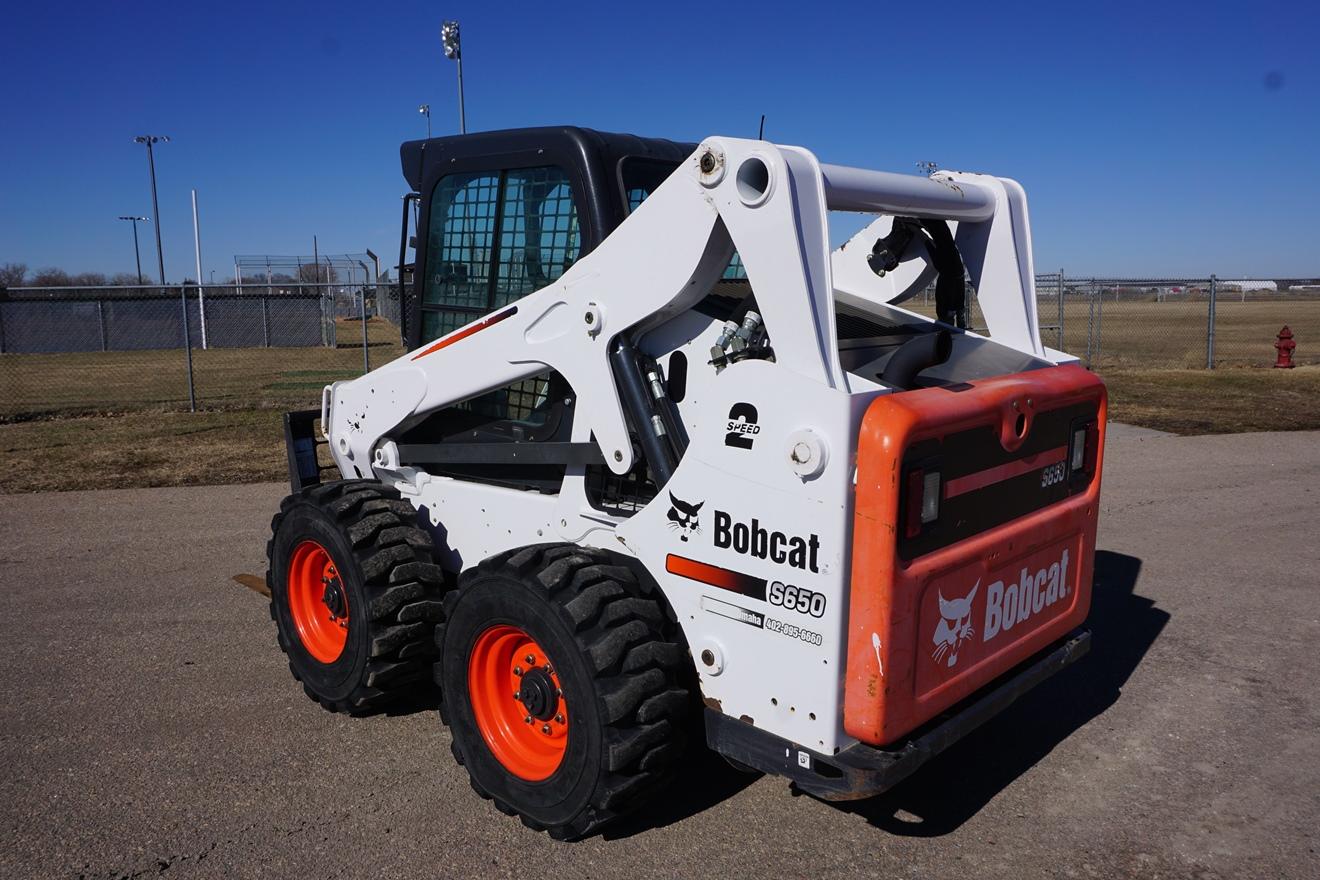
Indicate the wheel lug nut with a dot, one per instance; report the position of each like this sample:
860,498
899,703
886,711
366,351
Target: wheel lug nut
559,719
527,720
545,728
517,670
549,670
531,659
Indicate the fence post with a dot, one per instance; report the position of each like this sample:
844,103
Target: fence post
366,359
1090,321
3,300
265,321
187,347
1060,310
1100,322
329,333
1210,326
100,321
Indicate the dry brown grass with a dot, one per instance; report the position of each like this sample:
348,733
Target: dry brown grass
142,449
1223,401
245,446
225,378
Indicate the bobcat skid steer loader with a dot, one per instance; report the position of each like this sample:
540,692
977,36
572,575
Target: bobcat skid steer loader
660,463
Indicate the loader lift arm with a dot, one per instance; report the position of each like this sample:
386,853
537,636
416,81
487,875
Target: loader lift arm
766,200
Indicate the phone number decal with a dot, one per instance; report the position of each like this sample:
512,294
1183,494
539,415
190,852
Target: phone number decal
794,632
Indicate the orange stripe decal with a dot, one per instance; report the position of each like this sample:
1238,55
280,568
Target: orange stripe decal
464,332
715,576
990,476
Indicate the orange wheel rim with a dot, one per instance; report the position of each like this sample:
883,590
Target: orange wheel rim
318,602
518,702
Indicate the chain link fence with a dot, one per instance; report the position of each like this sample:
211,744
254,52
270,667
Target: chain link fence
1167,323
275,343
72,351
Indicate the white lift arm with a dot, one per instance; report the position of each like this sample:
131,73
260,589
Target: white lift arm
768,201
992,231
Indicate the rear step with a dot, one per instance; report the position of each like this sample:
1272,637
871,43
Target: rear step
862,770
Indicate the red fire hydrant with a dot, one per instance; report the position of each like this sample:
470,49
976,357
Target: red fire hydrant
1285,345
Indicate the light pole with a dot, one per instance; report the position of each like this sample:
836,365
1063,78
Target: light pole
150,139
425,110
137,255
449,39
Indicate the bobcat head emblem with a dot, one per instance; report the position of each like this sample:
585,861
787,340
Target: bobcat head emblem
683,517
955,626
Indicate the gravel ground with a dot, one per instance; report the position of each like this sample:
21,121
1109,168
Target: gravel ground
151,727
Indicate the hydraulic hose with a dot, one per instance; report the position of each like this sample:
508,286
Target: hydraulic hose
925,351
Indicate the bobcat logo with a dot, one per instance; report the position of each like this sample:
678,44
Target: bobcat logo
955,626
683,517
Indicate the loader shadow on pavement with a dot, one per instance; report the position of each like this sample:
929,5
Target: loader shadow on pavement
703,781
954,786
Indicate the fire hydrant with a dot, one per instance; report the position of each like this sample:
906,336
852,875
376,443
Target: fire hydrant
1285,345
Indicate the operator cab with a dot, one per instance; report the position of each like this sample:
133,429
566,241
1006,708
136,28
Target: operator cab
503,213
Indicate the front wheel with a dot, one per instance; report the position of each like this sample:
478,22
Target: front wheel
355,594
561,681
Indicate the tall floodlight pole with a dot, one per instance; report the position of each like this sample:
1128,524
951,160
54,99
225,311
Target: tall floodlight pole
449,38
425,110
150,139
137,254
197,252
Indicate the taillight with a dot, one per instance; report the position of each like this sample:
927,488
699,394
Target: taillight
923,500
1084,447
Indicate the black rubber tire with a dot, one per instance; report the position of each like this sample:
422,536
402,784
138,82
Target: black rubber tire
386,562
620,667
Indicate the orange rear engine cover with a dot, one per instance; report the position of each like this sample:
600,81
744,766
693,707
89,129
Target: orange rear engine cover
1005,569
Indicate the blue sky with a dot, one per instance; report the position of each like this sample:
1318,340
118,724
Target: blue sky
1151,138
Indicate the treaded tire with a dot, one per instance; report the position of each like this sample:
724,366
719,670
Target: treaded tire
619,666
392,586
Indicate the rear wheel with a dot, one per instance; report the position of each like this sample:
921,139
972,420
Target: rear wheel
354,594
561,680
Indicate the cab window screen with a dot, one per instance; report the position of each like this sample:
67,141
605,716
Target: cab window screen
494,237
538,232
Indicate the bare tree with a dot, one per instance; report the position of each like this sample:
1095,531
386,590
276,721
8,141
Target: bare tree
317,273
12,274
51,278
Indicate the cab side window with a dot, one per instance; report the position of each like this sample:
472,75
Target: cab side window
495,237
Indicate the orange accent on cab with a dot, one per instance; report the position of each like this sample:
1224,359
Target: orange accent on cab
907,659
464,332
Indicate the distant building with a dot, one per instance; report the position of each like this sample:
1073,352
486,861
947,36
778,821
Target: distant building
1246,284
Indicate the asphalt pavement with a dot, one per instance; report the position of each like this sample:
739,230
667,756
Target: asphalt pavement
149,725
